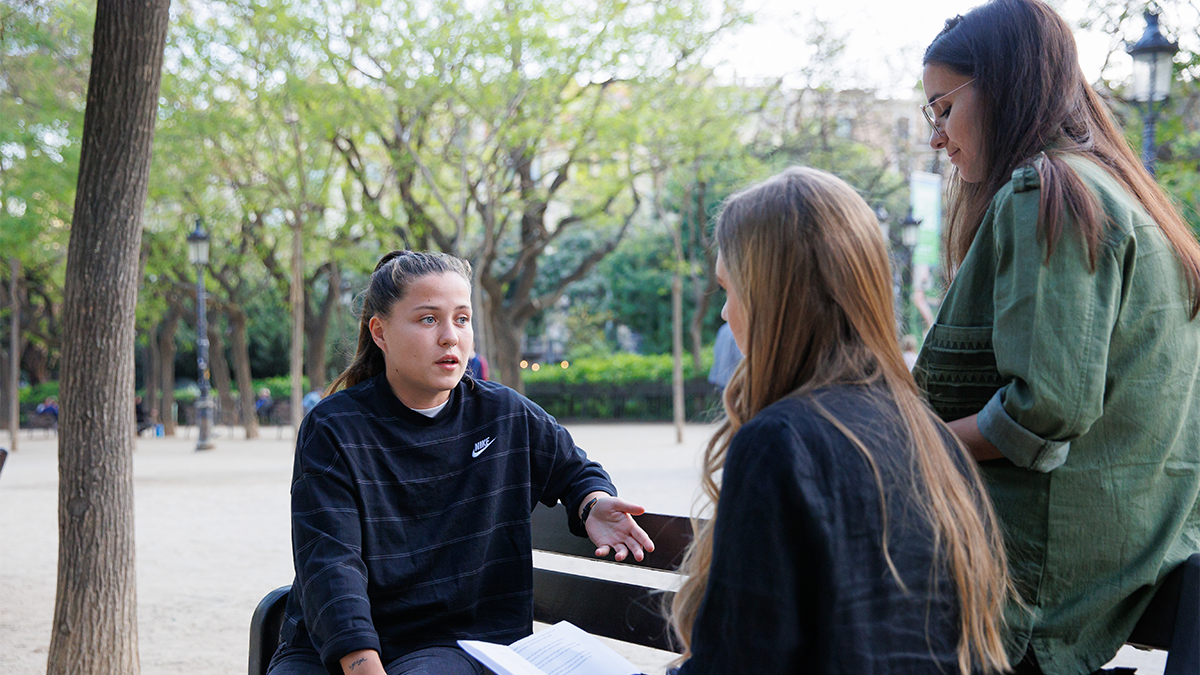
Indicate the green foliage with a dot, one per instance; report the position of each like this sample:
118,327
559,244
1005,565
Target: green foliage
44,50
32,395
623,368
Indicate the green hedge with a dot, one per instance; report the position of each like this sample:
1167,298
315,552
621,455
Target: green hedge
281,389
36,394
623,368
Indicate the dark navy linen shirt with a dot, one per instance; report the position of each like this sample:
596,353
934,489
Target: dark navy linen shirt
799,582
410,531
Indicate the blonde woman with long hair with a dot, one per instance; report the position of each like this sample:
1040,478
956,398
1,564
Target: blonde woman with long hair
852,533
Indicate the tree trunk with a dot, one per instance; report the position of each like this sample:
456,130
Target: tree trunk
35,361
241,370
506,343
297,297
316,331
706,287
677,353
95,611
219,367
166,370
14,354
152,377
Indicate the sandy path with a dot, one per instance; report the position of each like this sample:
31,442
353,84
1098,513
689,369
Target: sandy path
212,538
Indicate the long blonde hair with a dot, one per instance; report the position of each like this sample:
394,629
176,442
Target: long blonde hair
805,257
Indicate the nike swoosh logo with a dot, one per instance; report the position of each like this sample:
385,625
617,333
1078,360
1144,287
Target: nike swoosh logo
481,446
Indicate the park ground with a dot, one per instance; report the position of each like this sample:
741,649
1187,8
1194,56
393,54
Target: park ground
213,538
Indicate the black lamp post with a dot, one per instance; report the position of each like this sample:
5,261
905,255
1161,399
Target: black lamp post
1152,75
198,253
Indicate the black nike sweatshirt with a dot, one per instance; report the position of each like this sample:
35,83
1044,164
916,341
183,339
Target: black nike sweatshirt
410,531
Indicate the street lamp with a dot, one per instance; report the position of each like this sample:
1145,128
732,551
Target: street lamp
910,229
1152,74
198,254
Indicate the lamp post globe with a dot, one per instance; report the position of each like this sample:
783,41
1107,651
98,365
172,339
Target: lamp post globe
1153,69
885,225
198,254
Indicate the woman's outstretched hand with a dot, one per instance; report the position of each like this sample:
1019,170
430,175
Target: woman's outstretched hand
610,526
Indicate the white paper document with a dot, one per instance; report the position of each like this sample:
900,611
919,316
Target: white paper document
561,649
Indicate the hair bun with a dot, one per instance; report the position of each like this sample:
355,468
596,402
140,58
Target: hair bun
388,257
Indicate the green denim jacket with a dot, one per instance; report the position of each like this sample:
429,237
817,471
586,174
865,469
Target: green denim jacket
1088,381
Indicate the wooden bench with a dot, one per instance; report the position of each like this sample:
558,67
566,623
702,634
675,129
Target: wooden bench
47,422
631,612
614,609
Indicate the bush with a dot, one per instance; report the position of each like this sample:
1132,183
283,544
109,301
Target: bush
623,368
38,393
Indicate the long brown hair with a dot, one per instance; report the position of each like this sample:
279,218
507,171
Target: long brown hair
1034,99
394,274
804,244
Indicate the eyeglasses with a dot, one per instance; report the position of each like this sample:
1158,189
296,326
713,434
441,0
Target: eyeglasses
927,109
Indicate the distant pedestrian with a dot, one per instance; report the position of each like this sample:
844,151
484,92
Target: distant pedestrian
477,366
311,399
726,357
263,404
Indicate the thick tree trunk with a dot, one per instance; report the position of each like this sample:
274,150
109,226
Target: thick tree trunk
241,369
95,612
14,354
506,344
166,370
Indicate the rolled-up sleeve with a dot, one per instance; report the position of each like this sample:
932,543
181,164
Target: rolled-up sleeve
1020,445
1053,323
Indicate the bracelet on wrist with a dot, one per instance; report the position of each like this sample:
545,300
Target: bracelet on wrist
587,510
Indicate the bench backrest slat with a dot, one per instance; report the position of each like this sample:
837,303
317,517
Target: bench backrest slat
670,534
611,609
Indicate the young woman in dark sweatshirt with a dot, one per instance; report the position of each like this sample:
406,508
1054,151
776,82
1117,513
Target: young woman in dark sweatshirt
412,493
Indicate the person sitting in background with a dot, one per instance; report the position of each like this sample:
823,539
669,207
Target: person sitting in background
49,407
477,366
263,404
726,357
141,415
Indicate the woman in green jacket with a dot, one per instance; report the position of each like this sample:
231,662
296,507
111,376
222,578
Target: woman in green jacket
1066,354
